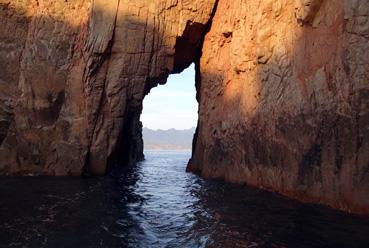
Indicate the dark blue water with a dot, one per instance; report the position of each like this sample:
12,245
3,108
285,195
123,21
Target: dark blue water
157,204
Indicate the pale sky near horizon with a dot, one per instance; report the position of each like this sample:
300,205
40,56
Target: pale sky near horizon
172,105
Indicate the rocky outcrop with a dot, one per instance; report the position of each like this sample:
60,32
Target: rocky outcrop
41,99
282,85
74,74
284,99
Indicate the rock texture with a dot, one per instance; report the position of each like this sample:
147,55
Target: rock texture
284,99
283,89
74,74
41,96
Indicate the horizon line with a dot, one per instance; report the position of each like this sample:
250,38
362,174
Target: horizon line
172,128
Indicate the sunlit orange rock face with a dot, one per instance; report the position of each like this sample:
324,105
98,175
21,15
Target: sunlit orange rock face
284,99
283,88
74,73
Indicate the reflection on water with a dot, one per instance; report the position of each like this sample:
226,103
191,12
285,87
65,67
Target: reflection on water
157,204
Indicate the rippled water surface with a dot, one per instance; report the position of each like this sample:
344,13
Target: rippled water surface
158,204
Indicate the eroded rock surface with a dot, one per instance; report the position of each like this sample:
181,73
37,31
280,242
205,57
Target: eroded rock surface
74,74
284,99
283,89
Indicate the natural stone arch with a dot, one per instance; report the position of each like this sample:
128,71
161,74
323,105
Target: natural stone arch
116,51
282,85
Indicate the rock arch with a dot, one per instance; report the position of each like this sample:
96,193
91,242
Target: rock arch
282,86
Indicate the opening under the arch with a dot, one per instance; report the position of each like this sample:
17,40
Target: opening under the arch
170,113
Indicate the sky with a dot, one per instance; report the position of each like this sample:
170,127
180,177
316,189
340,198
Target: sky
172,105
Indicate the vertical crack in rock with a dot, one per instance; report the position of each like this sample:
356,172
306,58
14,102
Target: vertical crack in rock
100,44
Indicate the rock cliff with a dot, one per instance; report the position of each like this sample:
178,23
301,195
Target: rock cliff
284,99
283,89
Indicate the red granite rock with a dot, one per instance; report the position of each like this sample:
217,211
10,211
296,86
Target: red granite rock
284,99
283,89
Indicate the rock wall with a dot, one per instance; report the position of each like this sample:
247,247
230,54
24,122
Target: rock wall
74,74
284,99
282,85
41,91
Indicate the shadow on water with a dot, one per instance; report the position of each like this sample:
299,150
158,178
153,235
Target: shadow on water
157,204
244,217
67,212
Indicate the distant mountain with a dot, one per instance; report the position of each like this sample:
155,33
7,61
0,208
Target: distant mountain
171,139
